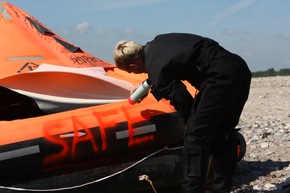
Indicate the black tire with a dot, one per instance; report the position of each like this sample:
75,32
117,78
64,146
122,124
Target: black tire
241,146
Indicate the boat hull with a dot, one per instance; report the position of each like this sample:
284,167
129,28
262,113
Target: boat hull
163,169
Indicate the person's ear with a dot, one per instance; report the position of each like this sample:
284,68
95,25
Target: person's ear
134,66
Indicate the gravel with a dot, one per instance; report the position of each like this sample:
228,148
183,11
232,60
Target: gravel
265,124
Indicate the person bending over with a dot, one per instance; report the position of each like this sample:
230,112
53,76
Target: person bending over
223,81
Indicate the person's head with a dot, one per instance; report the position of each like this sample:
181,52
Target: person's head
128,56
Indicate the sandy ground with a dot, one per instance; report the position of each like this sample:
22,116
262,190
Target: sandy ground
265,124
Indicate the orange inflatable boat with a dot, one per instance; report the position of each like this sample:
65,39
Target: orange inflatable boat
66,124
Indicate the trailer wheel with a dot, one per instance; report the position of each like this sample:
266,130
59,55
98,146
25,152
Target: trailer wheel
241,146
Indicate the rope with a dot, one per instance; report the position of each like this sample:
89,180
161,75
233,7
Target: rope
94,181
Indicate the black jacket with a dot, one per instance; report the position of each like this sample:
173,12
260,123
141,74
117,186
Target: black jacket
171,58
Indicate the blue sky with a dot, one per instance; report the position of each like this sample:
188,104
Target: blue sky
257,30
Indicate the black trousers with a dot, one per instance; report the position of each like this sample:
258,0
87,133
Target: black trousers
209,140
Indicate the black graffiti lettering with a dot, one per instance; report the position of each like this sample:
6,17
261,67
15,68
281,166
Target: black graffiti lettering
74,60
23,67
85,59
81,60
30,65
78,60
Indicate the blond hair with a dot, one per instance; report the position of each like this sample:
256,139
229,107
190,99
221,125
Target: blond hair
126,52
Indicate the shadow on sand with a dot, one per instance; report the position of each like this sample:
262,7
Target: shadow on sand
248,172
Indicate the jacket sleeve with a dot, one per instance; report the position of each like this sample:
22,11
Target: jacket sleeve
178,95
